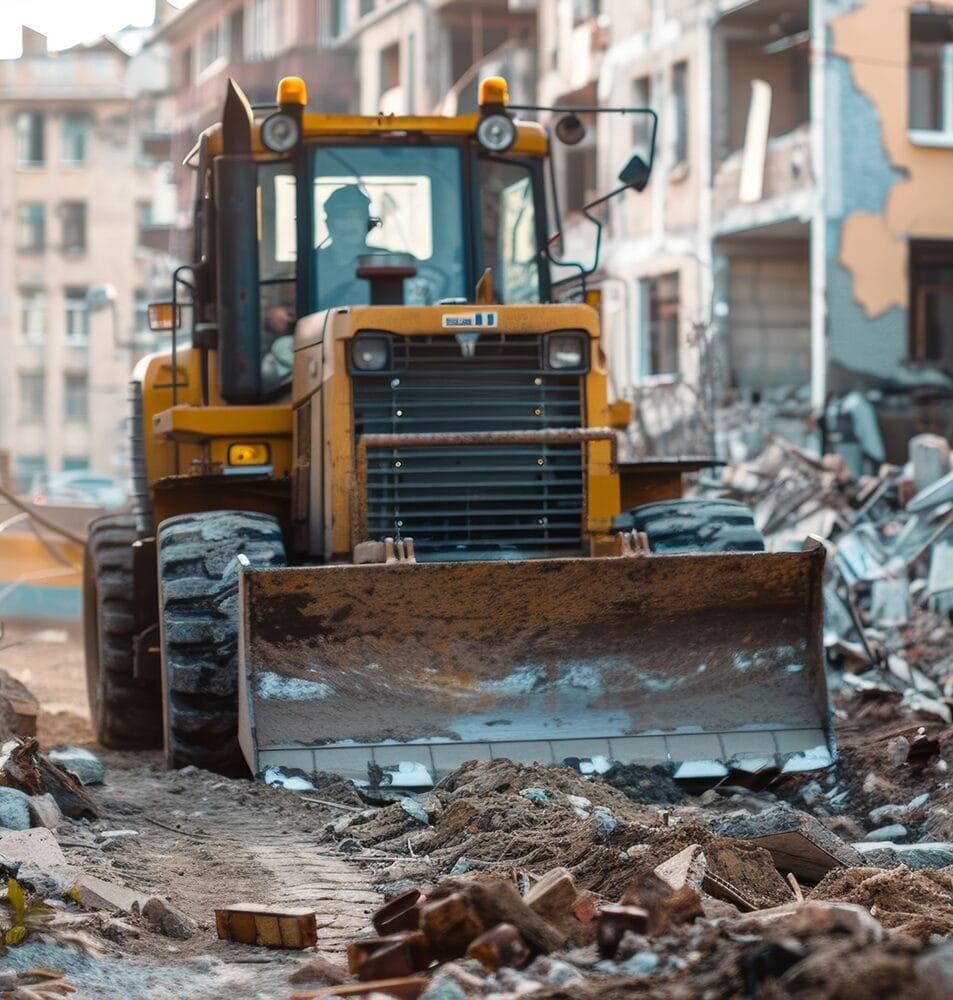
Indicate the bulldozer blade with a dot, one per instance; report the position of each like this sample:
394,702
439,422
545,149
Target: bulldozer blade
709,662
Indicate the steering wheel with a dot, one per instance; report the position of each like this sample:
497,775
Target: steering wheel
426,287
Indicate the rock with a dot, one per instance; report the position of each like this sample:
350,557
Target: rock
553,896
320,970
44,811
895,831
888,812
160,917
934,973
537,796
85,765
98,894
14,809
898,750
914,856
553,972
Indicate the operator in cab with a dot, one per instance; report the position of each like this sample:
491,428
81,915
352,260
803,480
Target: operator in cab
347,212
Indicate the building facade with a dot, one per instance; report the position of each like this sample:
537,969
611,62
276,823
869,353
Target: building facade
78,195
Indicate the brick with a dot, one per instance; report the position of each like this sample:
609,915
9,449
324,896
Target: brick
502,945
266,926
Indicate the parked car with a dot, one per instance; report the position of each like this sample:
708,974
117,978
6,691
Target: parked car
78,488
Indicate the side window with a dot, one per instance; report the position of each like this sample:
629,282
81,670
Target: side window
277,253
510,245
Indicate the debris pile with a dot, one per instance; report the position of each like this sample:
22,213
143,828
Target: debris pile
508,879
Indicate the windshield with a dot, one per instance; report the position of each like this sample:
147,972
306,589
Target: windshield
388,200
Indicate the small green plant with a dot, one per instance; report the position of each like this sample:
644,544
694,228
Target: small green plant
25,913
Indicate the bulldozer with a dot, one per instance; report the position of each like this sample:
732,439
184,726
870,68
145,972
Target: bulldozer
381,526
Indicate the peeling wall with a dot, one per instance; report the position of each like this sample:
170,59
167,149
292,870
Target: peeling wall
881,190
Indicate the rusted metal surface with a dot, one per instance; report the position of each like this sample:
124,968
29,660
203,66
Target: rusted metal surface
548,436
680,658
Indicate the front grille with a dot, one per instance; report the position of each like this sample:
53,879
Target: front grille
476,501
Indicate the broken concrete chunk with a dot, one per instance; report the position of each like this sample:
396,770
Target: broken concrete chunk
98,894
319,970
797,842
685,868
44,811
930,458
814,916
37,848
914,856
266,926
85,765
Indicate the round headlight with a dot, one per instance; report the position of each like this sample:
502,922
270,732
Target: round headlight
566,351
370,353
279,132
496,133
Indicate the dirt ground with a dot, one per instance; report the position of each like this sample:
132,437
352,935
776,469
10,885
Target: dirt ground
200,841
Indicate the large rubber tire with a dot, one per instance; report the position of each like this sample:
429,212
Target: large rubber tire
126,712
698,525
198,603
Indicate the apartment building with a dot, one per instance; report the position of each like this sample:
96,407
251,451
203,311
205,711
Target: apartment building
78,204
794,233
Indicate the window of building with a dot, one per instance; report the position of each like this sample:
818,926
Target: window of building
31,226
930,87
140,319
33,314
680,113
143,221
31,397
366,7
76,397
74,138
236,35
25,468
389,69
584,10
185,66
75,463
931,301
659,354
263,28
30,135
74,226
580,176
642,124
210,46
77,316
338,17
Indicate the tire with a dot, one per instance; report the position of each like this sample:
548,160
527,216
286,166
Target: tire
697,525
198,601
126,712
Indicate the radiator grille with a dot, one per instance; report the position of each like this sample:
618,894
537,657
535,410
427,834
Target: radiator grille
473,502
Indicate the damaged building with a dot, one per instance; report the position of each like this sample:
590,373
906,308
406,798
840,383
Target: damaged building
791,241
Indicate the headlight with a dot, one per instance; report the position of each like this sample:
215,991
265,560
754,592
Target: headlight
566,351
279,132
496,133
248,454
370,352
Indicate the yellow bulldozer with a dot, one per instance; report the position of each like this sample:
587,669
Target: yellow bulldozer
381,526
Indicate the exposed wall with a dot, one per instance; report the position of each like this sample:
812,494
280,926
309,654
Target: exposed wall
882,191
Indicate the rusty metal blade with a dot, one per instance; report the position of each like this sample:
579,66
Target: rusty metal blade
708,661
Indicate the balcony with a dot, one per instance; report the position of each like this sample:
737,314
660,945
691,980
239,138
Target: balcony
786,186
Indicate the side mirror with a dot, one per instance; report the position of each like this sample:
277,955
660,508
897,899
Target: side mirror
635,174
570,130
